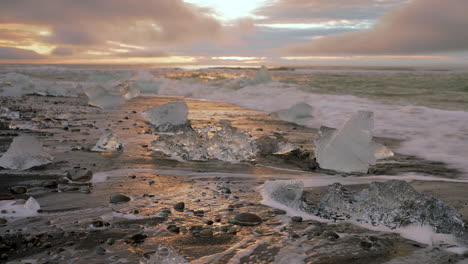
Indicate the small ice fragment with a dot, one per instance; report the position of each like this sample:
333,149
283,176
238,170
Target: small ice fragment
100,97
300,113
109,142
32,204
6,113
165,255
381,151
126,90
25,152
349,148
231,144
169,117
189,145
285,192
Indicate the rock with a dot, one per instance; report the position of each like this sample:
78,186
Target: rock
100,251
232,230
169,117
278,145
50,184
119,198
173,229
331,235
225,190
138,238
349,148
18,189
247,219
80,175
110,241
365,244
109,142
179,206
165,255
7,114
3,221
278,212
207,232
300,113
286,192
296,219
25,152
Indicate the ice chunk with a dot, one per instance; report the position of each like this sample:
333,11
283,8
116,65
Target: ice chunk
300,113
25,152
381,151
15,84
165,255
169,117
19,208
285,192
349,148
262,76
145,82
6,113
231,144
109,142
57,88
189,145
111,94
392,204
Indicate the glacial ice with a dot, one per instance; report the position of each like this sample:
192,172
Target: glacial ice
15,84
300,113
228,144
284,192
169,117
262,76
145,82
231,144
25,152
382,151
109,95
349,148
189,145
108,142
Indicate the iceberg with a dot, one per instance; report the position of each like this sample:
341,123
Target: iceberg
349,148
109,142
300,113
25,152
169,117
231,144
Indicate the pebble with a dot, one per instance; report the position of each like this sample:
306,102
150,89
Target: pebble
208,232
279,212
225,190
179,206
297,219
247,219
18,189
3,221
119,198
110,241
365,244
100,251
80,175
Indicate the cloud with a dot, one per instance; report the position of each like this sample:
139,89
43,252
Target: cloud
63,51
143,53
93,23
7,53
422,26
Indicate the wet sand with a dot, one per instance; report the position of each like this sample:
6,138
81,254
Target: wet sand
75,221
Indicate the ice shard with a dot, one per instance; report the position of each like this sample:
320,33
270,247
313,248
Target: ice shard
109,142
300,113
349,148
169,117
381,151
112,94
231,144
25,152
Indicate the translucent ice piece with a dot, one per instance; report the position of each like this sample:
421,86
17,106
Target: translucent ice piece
381,151
165,255
15,84
109,142
285,192
231,144
349,148
168,117
100,97
262,76
300,113
25,152
189,145
125,89
19,208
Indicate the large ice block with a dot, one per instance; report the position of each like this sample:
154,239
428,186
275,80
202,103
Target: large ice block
169,117
15,84
108,142
300,113
189,145
349,148
262,76
25,152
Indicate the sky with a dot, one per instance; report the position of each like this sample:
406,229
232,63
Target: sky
240,32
